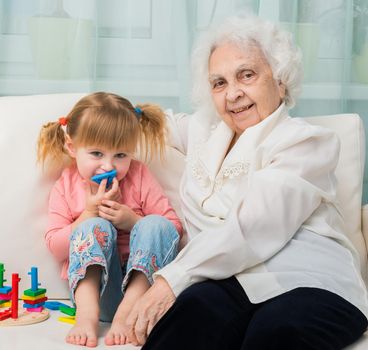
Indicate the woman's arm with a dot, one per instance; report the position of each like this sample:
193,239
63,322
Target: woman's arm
265,216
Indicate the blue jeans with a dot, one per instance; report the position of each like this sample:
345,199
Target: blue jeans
153,244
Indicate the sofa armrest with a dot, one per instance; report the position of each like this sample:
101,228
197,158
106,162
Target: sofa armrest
365,224
365,234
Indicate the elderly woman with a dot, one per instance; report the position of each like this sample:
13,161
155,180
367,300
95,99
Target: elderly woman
268,265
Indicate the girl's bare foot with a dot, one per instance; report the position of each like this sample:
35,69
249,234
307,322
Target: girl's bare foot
84,331
116,334
86,296
137,286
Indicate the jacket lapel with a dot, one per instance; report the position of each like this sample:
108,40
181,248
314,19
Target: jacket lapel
212,153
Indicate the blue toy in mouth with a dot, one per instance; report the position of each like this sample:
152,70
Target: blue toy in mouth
109,175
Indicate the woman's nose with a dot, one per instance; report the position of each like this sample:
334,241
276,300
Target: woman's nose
234,92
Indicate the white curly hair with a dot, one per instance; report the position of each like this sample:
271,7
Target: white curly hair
283,56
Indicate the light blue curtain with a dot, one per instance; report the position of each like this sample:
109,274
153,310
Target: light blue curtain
141,48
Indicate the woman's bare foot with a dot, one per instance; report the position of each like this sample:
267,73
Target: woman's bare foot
84,332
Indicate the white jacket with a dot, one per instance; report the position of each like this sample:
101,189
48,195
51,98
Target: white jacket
266,212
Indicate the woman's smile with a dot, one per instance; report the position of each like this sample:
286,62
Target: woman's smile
238,111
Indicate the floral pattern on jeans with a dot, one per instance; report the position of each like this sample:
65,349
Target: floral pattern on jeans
87,247
153,244
142,261
101,236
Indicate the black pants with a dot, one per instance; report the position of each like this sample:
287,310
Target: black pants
217,315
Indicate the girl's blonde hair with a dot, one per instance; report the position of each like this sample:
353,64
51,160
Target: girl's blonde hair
105,120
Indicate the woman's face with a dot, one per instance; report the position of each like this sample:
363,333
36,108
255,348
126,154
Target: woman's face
242,86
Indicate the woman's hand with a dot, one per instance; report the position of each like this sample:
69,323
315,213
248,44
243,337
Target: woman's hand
148,310
120,215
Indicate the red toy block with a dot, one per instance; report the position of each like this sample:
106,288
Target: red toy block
14,298
6,296
5,314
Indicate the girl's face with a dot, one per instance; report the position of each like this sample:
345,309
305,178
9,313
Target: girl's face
93,160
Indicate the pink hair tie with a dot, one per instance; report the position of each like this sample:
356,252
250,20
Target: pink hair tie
63,121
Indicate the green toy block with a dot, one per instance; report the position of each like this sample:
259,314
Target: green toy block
67,310
32,293
2,280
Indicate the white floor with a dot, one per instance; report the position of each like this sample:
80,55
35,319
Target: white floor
50,334
47,335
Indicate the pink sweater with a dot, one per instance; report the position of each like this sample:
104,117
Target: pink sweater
140,191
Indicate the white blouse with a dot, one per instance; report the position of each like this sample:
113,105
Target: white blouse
265,212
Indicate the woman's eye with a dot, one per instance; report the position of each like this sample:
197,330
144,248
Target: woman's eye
218,84
246,74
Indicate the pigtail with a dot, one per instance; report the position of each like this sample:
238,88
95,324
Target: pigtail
50,145
152,120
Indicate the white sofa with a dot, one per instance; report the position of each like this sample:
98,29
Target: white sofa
24,192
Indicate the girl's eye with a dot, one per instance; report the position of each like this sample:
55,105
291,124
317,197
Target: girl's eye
96,154
120,155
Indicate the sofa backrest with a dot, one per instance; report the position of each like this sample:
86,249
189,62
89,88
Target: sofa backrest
23,204
25,191
350,130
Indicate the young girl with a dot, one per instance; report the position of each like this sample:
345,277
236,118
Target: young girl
111,239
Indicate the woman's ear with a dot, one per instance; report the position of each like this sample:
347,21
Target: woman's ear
282,90
69,146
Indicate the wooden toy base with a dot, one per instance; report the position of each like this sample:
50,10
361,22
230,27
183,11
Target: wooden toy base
25,318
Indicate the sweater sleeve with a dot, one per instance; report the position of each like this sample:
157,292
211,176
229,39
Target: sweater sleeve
59,223
280,197
155,201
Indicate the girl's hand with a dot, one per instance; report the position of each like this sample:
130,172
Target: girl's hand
113,193
120,215
94,195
